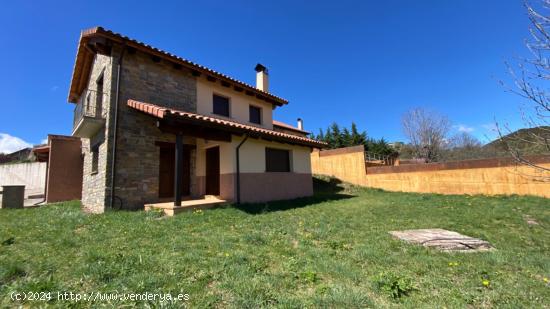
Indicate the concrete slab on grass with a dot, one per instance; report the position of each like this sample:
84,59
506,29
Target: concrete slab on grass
443,240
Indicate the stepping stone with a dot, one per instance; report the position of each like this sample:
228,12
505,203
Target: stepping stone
530,220
443,240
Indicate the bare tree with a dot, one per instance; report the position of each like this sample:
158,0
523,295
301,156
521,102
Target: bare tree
464,146
464,140
531,76
426,132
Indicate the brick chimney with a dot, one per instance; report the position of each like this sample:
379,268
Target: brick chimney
262,78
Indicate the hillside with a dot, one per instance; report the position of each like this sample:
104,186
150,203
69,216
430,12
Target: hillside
525,140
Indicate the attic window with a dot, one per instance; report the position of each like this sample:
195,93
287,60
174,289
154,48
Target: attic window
220,105
255,114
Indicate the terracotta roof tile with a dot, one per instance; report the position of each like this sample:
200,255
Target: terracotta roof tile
163,112
289,127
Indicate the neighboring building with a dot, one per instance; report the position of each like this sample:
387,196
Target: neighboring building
166,120
63,157
23,155
396,145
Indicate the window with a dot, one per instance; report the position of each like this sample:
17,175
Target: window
221,105
95,158
255,114
99,97
277,160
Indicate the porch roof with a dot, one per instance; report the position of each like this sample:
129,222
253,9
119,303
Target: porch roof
222,124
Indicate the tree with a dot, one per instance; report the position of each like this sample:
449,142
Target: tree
337,139
356,137
464,146
464,140
346,137
320,136
426,132
531,77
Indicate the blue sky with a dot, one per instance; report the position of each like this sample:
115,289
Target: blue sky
362,61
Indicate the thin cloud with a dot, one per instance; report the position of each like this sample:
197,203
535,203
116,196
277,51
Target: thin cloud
464,128
9,144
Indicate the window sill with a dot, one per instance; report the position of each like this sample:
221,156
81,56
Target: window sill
93,173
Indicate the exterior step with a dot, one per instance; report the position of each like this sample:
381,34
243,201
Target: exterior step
170,209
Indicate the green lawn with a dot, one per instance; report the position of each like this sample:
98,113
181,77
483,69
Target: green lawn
331,250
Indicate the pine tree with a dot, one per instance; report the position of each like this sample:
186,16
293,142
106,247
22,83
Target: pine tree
336,136
328,138
346,138
321,136
356,137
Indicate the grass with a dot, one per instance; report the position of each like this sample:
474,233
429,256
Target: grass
330,250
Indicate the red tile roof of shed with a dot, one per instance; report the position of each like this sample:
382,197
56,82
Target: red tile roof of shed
164,112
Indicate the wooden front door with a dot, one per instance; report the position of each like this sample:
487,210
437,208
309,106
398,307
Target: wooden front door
167,171
213,171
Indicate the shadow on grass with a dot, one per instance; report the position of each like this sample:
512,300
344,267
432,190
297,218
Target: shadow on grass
324,188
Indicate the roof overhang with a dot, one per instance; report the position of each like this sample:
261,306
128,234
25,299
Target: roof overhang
174,117
100,40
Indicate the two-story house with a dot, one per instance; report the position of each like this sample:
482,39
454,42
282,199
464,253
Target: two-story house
156,127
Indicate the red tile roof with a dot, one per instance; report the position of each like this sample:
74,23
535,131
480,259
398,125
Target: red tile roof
84,59
288,127
164,112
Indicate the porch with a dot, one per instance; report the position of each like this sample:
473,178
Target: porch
171,209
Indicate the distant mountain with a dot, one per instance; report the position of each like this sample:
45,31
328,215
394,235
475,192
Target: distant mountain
527,141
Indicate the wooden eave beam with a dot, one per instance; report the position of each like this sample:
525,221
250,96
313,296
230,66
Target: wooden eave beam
173,123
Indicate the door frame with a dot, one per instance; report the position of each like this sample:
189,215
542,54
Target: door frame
168,146
212,177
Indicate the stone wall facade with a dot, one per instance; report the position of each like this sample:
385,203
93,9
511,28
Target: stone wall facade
137,156
94,184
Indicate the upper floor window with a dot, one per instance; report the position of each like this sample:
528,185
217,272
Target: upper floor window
220,105
255,114
99,97
277,160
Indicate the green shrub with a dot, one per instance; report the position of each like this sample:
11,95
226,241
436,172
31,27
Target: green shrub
396,286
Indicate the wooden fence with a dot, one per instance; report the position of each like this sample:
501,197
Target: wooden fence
485,176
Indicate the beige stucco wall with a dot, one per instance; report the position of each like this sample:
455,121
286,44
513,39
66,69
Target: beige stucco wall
238,103
350,167
252,156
